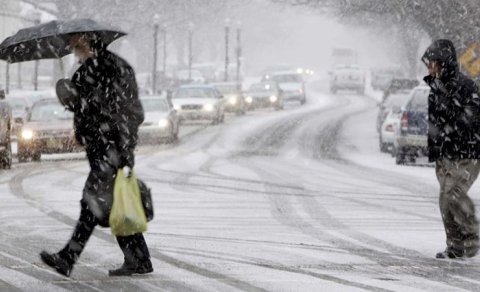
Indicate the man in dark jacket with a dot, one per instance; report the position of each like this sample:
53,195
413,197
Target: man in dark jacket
107,114
454,145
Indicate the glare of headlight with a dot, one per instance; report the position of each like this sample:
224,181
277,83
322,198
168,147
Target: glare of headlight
233,100
267,87
177,107
273,98
312,72
267,77
249,99
300,71
163,123
27,134
301,91
208,107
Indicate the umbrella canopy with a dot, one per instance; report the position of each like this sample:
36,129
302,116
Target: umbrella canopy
50,40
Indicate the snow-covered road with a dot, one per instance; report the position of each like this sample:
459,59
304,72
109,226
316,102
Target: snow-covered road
295,200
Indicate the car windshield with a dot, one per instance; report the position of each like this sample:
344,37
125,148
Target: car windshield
155,105
397,99
284,78
419,101
18,104
195,93
226,88
49,112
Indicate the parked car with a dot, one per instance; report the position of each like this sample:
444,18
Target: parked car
347,77
234,97
264,94
161,121
382,77
411,137
199,102
395,96
20,108
292,85
5,133
388,128
48,129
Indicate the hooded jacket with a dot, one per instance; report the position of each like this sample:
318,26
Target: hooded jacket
453,107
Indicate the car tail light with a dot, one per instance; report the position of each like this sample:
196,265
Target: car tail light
404,121
389,128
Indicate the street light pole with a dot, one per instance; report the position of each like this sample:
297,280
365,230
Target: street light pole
36,21
227,60
156,18
239,53
190,52
164,50
7,78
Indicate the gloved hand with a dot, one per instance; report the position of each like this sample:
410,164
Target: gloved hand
127,159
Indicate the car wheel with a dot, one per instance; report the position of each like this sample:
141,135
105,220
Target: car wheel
412,159
399,157
36,156
383,147
6,157
22,156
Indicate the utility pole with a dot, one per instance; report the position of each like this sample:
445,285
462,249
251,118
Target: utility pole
156,19
36,21
239,54
227,60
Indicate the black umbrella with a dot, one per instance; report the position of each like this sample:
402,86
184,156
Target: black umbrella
50,40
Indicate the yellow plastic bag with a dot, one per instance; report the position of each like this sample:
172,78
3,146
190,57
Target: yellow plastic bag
127,216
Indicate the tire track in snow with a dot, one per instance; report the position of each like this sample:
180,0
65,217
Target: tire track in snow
286,214
16,185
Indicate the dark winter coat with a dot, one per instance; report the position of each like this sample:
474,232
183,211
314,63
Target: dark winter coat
107,114
453,108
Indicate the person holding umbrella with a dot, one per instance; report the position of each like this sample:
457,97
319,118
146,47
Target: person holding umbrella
103,95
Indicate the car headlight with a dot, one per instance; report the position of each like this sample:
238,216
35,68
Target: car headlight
249,99
208,107
27,134
273,98
301,91
163,123
177,107
232,100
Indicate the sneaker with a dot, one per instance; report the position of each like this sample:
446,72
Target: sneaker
130,269
55,261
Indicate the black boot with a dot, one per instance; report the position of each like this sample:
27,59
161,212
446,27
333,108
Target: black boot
57,262
128,269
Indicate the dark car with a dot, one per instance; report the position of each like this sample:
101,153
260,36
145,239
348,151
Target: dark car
48,129
292,85
234,97
264,94
410,139
5,132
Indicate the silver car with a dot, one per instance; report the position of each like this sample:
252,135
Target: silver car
161,122
199,102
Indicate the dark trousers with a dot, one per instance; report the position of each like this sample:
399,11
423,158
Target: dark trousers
458,211
134,247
